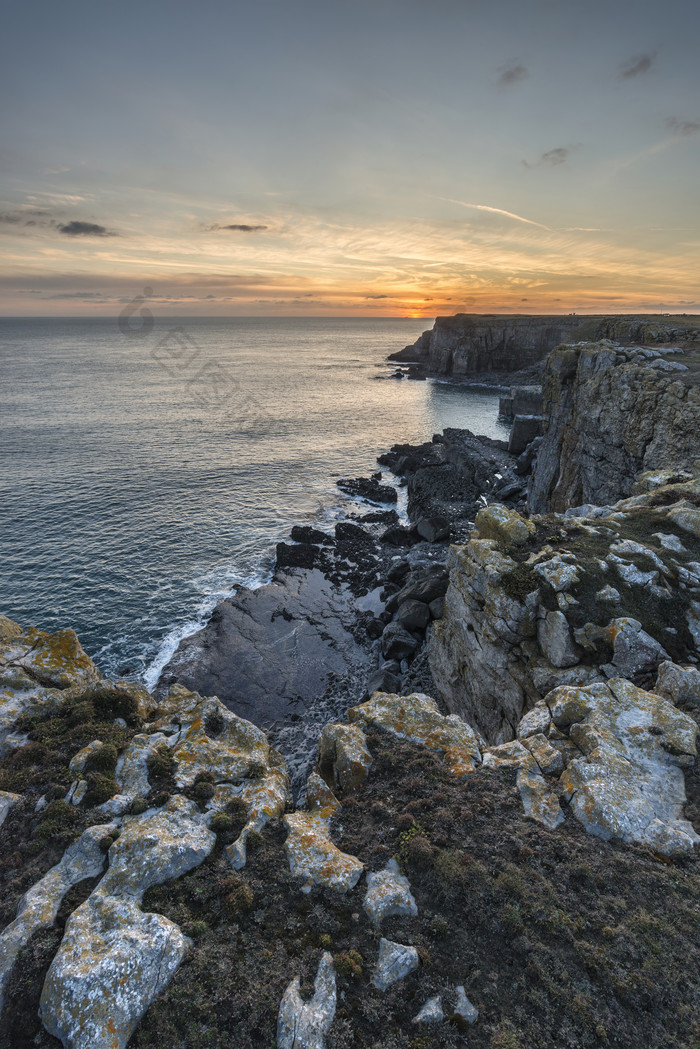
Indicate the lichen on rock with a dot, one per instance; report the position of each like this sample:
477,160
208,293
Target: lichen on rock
416,717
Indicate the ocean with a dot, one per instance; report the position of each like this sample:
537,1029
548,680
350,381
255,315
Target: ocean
147,470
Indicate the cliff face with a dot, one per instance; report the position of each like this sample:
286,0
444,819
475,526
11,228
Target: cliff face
473,344
534,604
609,414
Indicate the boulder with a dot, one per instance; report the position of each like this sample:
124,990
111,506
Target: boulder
414,616
114,959
679,684
395,962
342,752
416,718
304,1025
555,640
431,1013
397,643
388,893
433,529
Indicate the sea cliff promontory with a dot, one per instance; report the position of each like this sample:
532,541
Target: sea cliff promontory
511,347
493,840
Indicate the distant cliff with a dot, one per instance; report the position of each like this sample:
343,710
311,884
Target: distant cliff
476,344
610,414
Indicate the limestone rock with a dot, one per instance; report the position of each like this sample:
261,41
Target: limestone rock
238,750
464,1008
629,783
388,893
431,1013
395,963
7,800
342,750
39,906
549,759
114,959
505,526
536,720
264,798
679,684
560,574
416,718
554,637
537,797
634,651
609,417
312,856
505,755
304,1025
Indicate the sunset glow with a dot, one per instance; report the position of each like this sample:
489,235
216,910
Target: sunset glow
536,176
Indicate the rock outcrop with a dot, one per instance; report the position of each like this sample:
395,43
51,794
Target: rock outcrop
488,346
567,600
611,414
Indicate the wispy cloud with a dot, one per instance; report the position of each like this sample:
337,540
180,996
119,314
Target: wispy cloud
85,229
239,227
552,158
496,211
636,66
683,127
513,74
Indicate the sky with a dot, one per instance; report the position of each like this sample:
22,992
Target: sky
386,158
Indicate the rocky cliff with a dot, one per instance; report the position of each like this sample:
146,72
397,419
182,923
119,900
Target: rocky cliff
514,868
611,413
490,346
162,888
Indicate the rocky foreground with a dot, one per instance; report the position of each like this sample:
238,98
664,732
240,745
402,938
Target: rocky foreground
494,841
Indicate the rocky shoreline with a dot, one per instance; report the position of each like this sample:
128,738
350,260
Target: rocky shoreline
437,784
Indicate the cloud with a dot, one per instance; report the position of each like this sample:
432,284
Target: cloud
636,66
376,296
512,75
496,211
239,227
683,127
553,157
85,229
22,218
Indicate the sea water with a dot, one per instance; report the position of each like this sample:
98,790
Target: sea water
147,470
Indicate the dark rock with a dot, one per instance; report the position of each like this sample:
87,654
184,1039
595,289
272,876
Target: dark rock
308,534
424,586
413,615
437,608
347,532
433,529
398,572
368,488
302,556
383,681
375,629
398,536
397,642
525,428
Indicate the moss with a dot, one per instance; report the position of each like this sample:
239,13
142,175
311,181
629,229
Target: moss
138,806
349,964
102,760
221,823
101,787
202,791
161,764
520,582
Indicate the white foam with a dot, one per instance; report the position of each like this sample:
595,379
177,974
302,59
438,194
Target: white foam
226,583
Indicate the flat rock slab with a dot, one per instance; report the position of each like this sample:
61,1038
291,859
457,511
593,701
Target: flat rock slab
271,653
